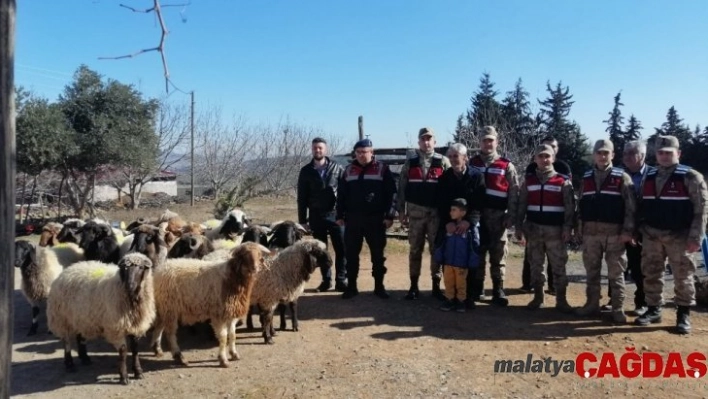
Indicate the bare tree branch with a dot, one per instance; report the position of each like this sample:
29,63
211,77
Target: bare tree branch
160,48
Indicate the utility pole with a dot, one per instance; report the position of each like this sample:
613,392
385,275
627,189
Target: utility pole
7,188
361,127
191,123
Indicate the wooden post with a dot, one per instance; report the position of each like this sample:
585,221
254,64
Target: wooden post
191,157
7,189
361,127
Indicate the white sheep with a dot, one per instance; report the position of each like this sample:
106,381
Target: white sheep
39,267
284,280
93,299
192,291
231,227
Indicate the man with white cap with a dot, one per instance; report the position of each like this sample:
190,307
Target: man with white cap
672,214
501,196
417,200
606,209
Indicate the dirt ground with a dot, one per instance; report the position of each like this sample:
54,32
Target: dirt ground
372,348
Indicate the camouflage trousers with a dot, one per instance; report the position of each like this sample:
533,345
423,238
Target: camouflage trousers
493,246
658,245
546,241
609,246
423,226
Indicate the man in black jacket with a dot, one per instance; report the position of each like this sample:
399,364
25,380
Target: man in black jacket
460,181
317,195
366,202
563,169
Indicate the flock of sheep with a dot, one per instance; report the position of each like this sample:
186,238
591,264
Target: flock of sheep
100,281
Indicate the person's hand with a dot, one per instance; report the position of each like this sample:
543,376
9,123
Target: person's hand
340,222
692,246
305,226
462,227
388,223
403,218
508,222
450,228
625,238
519,235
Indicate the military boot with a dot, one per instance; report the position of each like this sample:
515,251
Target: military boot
379,289
413,292
477,290
618,316
591,307
653,315
498,295
562,304
437,292
537,300
683,320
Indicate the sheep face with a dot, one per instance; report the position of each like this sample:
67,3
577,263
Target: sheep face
191,246
194,228
147,240
318,257
234,223
285,234
247,258
92,232
25,255
257,234
70,231
133,268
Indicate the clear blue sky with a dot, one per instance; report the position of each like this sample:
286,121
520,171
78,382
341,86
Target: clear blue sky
402,64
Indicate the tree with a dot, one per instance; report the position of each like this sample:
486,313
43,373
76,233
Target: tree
634,128
694,152
553,120
673,126
111,125
614,129
485,110
518,121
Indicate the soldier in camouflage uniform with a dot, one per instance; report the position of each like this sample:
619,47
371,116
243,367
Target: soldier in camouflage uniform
672,214
501,189
545,216
418,191
606,210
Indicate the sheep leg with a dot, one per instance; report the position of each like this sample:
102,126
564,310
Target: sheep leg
137,369
249,319
281,311
122,366
293,314
83,353
221,331
35,321
233,353
156,343
68,361
267,317
171,331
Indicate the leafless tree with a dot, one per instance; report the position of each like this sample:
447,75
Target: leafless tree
222,150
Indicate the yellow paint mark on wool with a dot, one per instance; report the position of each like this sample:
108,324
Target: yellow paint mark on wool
212,223
98,273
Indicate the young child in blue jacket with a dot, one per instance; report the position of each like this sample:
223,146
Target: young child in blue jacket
457,253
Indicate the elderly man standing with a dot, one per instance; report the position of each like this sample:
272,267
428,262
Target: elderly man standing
673,220
607,207
417,197
501,196
460,181
317,195
366,202
633,157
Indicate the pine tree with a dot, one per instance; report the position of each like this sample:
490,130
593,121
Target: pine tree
554,121
614,129
518,121
485,110
634,128
673,126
